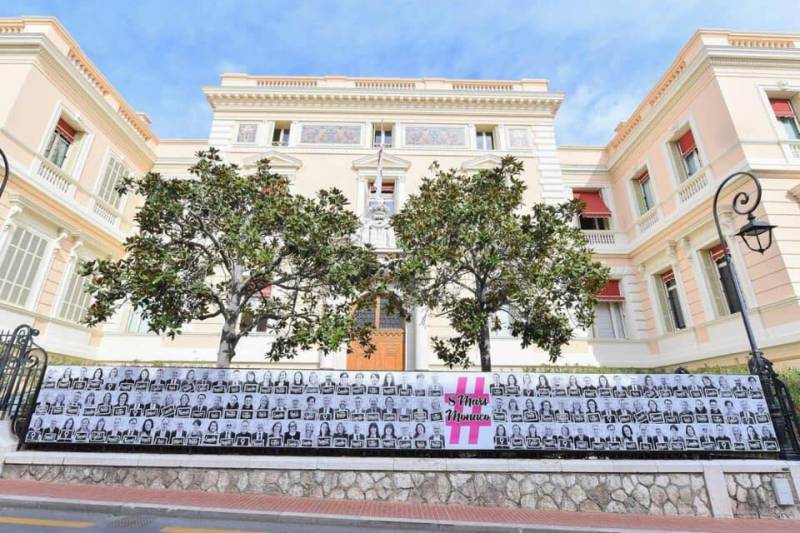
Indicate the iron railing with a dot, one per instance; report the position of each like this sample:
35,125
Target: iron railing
22,367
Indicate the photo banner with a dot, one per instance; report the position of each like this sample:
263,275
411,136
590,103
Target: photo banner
322,409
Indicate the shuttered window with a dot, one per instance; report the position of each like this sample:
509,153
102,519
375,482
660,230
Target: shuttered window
720,280
114,173
643,188
609,318
21,261
137,324
76,299
671,303
689,155
60,141
785,115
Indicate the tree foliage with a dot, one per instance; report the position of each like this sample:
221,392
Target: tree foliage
470,251
243,248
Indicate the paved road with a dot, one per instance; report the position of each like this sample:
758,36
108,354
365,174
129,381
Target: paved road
30,520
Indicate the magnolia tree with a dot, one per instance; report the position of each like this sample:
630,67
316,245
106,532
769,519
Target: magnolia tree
472,252
245,249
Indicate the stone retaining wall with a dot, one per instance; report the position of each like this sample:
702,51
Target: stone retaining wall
752,496
675,494
694,488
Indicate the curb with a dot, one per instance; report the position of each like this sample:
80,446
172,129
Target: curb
180,511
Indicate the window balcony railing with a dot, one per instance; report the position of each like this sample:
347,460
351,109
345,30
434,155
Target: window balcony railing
600,237
647,221
693,185
382,238
792,150
55,177
106,213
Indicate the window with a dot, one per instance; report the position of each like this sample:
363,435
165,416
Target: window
643,187
378,316
280,135
20,264
784,113
76,299
673,313
60,141
387,193
382,135
504,318
115,172
609,318
137,324
595,214
484,139
688,154
246,133
721,282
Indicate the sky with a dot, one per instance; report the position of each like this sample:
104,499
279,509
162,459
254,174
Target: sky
605,56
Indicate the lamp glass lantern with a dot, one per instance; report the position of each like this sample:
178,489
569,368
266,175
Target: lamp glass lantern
756,234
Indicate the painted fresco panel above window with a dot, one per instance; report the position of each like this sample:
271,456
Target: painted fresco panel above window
454,136
247,133
519,138
330,134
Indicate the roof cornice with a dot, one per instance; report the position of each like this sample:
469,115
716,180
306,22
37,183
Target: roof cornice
39,46
684,72
17,28
532,102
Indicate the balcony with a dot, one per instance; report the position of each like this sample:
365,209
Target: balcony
647,221
381,238
792,150
106,213
693,185
54,177
600,237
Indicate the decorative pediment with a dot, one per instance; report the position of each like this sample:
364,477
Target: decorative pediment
277,160
481,162
390,162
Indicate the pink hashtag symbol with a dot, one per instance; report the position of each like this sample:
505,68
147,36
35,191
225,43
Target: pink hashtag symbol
473,425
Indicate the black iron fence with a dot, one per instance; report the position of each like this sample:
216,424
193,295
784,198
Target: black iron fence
22,367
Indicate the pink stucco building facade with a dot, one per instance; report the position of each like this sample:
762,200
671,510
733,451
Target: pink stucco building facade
727,103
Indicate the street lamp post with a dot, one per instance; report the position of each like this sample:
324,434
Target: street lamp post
4,169
757,236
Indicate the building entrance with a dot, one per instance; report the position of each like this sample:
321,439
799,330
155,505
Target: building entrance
388,335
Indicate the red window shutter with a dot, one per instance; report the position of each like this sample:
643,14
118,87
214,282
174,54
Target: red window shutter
686,143
644,177
594,206
386,186
782,107
611,292
716,252
67,131
668,276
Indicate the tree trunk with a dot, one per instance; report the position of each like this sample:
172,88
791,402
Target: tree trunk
228,340
230,335
483,346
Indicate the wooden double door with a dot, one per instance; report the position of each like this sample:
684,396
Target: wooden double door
388,335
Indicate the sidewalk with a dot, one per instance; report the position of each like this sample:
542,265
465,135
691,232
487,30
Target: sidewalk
250,506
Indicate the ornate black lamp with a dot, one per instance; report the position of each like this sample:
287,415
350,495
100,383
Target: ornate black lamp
4,170
757,236
754,229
